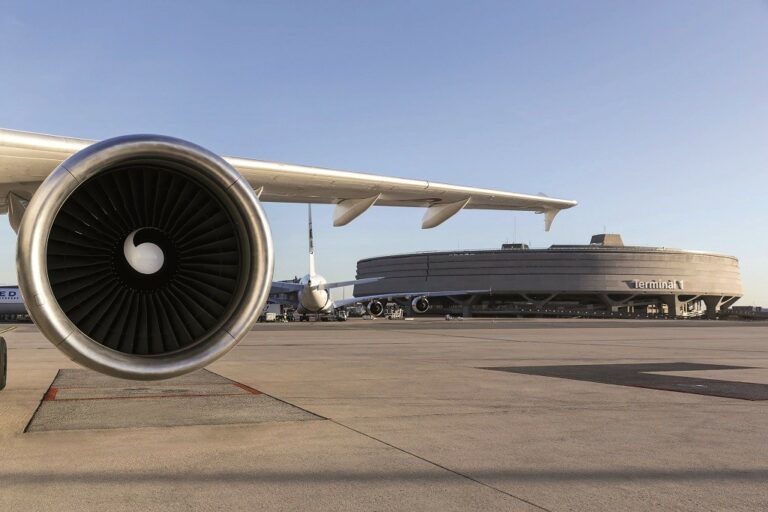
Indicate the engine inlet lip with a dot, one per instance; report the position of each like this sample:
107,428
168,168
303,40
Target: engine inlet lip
224,181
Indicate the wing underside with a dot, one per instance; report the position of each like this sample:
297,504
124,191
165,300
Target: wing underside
27,158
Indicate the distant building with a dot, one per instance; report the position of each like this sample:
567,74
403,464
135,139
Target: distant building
748,309
747,312
602,278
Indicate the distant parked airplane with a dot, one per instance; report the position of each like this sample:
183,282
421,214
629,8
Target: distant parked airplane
311,293
11,302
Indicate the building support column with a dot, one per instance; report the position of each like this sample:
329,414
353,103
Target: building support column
467,306
713,306
674,306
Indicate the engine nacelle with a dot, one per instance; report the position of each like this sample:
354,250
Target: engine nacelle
375,308
144,257
420,305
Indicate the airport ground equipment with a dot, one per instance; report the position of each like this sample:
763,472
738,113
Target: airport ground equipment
146,257
395,314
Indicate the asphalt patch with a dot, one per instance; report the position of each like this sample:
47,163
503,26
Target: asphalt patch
640,376
86,400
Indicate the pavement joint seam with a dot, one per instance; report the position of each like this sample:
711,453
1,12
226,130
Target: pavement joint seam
137,383
40,404
440,466
52,397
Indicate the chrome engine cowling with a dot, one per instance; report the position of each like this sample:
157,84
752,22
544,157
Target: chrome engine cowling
375,308
420,305
144,257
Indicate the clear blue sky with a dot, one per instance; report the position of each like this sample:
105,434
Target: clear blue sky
653,115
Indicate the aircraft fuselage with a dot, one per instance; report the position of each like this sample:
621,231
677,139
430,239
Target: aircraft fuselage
313,299
11,302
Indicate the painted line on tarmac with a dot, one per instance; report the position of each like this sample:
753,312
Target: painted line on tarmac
50,395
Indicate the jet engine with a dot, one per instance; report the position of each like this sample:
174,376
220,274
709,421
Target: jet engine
375,308
144,257
420,305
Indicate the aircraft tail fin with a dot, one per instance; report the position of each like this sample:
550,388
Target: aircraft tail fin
311,243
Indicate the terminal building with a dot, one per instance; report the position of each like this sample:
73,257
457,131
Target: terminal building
604,278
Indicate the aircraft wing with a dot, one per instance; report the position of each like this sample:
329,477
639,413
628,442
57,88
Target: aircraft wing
285,287
341,284
405,295
26,159
285,302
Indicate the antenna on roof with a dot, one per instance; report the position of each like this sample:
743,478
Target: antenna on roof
514,230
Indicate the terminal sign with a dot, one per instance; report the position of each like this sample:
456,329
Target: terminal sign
658,285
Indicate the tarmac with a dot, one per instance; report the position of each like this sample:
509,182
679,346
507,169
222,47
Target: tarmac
385,415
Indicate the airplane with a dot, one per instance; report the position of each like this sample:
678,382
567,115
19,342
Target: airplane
146,257
11,302
311,293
